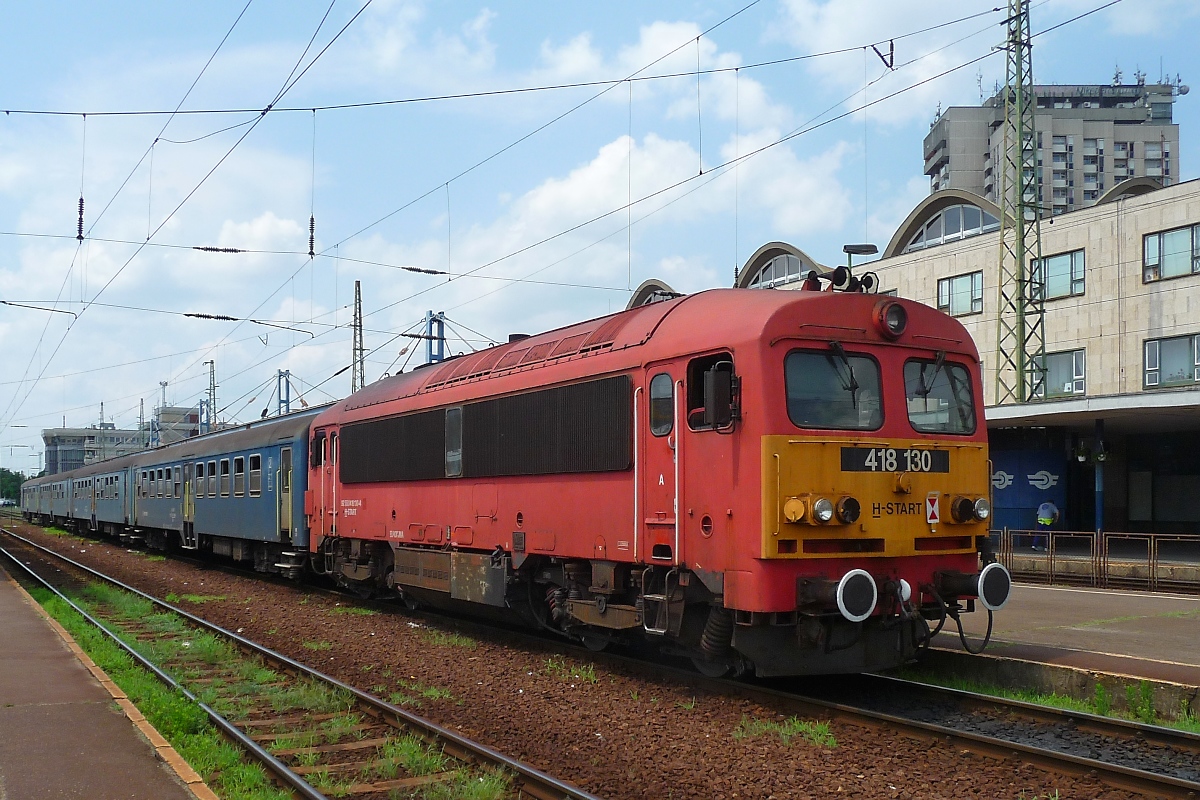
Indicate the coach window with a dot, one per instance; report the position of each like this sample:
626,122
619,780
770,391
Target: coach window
937,394
832,389
255,475
212,479
239,476
224,477
177,484
662,404
454,442
198,491
159,484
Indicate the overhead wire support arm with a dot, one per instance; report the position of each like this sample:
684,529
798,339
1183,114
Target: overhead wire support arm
38,308
1020,339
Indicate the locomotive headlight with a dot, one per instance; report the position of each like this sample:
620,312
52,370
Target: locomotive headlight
823,510
794,509
891,319
962,509
848,510
983,509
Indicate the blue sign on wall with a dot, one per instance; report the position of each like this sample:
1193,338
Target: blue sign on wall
1024,479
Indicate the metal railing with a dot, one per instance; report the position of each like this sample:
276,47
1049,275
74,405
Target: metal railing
1105,559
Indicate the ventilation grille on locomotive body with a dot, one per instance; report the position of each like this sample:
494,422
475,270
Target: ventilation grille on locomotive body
583,427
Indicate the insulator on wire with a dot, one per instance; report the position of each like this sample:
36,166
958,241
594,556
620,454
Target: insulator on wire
79,235
312,235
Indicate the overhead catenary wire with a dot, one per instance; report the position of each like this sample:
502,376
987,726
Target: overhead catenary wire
509,279
293,78
104,210
610,82
685,181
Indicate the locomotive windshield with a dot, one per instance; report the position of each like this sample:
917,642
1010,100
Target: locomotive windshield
830,389
938,396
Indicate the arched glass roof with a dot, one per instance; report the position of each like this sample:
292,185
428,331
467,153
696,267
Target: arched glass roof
783,268
951,224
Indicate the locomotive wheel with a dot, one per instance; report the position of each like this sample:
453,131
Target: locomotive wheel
711,669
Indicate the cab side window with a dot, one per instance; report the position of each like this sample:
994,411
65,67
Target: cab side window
712,392
662,404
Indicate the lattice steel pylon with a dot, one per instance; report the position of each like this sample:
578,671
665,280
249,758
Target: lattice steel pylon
1020,339
358,365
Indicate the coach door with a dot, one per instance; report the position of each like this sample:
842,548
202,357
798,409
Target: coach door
327,459
659,424
285,494
188,535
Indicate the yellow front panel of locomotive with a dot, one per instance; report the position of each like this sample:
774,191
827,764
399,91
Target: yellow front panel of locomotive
905,504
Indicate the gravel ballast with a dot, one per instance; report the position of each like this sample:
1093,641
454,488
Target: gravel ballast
615,734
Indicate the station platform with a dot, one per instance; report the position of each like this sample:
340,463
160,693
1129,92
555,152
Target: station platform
1141,635
66,731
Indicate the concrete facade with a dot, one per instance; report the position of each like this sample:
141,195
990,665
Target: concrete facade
1117,311
71,448
1113,442
1088,139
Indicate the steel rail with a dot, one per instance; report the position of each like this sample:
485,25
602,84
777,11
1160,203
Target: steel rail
1083,720
1130,778
529,780
280,770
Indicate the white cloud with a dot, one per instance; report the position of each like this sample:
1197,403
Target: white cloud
824,25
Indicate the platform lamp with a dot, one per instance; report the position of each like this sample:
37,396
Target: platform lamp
852,250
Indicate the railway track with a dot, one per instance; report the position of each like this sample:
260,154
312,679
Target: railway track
1146,759
315,734
1115,742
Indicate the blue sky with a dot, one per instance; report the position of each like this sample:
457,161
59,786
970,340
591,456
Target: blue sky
518,214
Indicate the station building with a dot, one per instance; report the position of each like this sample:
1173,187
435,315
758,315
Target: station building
1114,440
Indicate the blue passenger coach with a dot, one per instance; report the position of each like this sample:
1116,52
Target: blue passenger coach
237,493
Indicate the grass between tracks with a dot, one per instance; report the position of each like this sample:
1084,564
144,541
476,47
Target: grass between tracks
188,653
1139,700
178,719
817,733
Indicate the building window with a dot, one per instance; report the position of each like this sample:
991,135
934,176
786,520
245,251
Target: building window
1062,275
779,270
961,295
951,224
255,486
224,477
239,476
1064,374
1171,254
1172,362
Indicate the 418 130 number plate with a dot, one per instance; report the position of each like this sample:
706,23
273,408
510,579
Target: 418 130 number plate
894,459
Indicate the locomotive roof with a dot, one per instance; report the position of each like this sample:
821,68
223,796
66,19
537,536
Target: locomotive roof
243,437
712,319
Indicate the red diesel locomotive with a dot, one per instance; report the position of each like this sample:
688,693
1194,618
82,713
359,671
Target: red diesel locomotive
792,482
